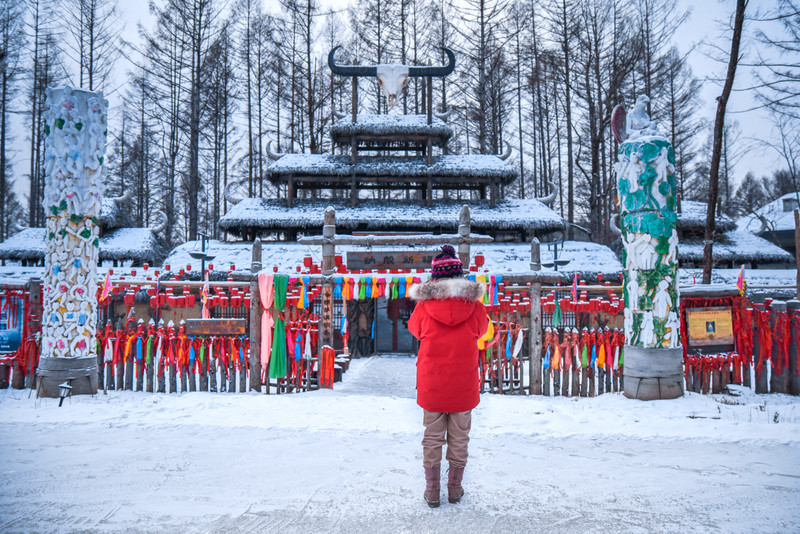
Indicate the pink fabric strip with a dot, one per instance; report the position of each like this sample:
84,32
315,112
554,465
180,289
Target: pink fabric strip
266,292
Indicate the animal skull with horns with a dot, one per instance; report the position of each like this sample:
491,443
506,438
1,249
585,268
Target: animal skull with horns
392,78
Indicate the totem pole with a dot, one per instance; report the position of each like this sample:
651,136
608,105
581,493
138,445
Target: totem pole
75,144
647,201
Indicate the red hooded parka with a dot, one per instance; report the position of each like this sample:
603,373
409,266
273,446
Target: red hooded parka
448,320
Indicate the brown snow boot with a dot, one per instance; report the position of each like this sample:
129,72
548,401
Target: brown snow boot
454,489
432,475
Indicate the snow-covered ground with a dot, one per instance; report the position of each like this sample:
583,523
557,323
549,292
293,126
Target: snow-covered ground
349,460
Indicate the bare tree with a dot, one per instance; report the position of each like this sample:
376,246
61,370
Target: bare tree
92,29
11,49
719,122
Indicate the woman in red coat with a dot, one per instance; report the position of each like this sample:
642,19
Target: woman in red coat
448,320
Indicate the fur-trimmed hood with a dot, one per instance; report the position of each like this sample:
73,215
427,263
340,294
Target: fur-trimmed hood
447,288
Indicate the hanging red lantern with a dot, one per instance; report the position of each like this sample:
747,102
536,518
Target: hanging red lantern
479,260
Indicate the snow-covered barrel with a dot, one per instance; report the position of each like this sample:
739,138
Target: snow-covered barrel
75,145
647,196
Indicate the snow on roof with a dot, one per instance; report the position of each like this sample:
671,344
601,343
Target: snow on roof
513,214
693,217
753,277
584,257
737,246
27,244
773,213
475,166
391,125
138,244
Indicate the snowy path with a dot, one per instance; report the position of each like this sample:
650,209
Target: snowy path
349,460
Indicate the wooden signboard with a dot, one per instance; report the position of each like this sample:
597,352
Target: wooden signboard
215,327
710,329
388,259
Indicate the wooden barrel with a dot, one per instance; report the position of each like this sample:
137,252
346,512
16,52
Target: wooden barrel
80,373
652,374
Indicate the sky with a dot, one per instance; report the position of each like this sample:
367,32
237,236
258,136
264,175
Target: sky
703,26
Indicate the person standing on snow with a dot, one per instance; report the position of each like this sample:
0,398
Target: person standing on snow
448,320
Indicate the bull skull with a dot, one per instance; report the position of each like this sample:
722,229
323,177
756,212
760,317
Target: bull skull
392,78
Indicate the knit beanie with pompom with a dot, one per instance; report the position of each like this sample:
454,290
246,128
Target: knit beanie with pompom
446,265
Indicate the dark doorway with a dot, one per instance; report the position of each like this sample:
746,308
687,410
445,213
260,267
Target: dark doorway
391,326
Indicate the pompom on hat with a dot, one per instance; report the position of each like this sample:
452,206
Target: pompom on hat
446,265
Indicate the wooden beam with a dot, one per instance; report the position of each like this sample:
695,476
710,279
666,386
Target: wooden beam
396,240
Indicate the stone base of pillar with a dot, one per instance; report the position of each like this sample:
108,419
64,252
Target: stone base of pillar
652,374
80,373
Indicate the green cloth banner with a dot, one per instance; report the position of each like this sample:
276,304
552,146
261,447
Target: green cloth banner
277,362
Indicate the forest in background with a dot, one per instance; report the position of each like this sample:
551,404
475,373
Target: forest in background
212,82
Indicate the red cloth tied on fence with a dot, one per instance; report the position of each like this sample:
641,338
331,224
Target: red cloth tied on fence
326,367
764,338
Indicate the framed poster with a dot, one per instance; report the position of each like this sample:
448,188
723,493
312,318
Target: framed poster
710,329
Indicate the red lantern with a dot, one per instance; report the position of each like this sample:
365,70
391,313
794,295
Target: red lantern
153,302
133,272
236,301
308,261
246,302
223,301
479,260
191,300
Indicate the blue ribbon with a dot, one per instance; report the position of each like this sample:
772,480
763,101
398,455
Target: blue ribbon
497,279
337,289
138,349
298,350
305,293
191,351
343,330
546,361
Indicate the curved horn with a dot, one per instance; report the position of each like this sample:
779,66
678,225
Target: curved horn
339,114
228,193
548,200
18,227
160,227
126,194
613,226
444,115
349,70
273,155
435,71
507,154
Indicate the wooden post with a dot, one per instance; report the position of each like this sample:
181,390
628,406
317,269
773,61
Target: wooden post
129,373
797,250
794,346
429,88
329,248
212,373
535,332
140,373
354,102
464,229
255,318
778,383
760,378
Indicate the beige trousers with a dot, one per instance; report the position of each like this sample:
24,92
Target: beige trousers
441,428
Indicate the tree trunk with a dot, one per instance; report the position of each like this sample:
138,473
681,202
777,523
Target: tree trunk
719,125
